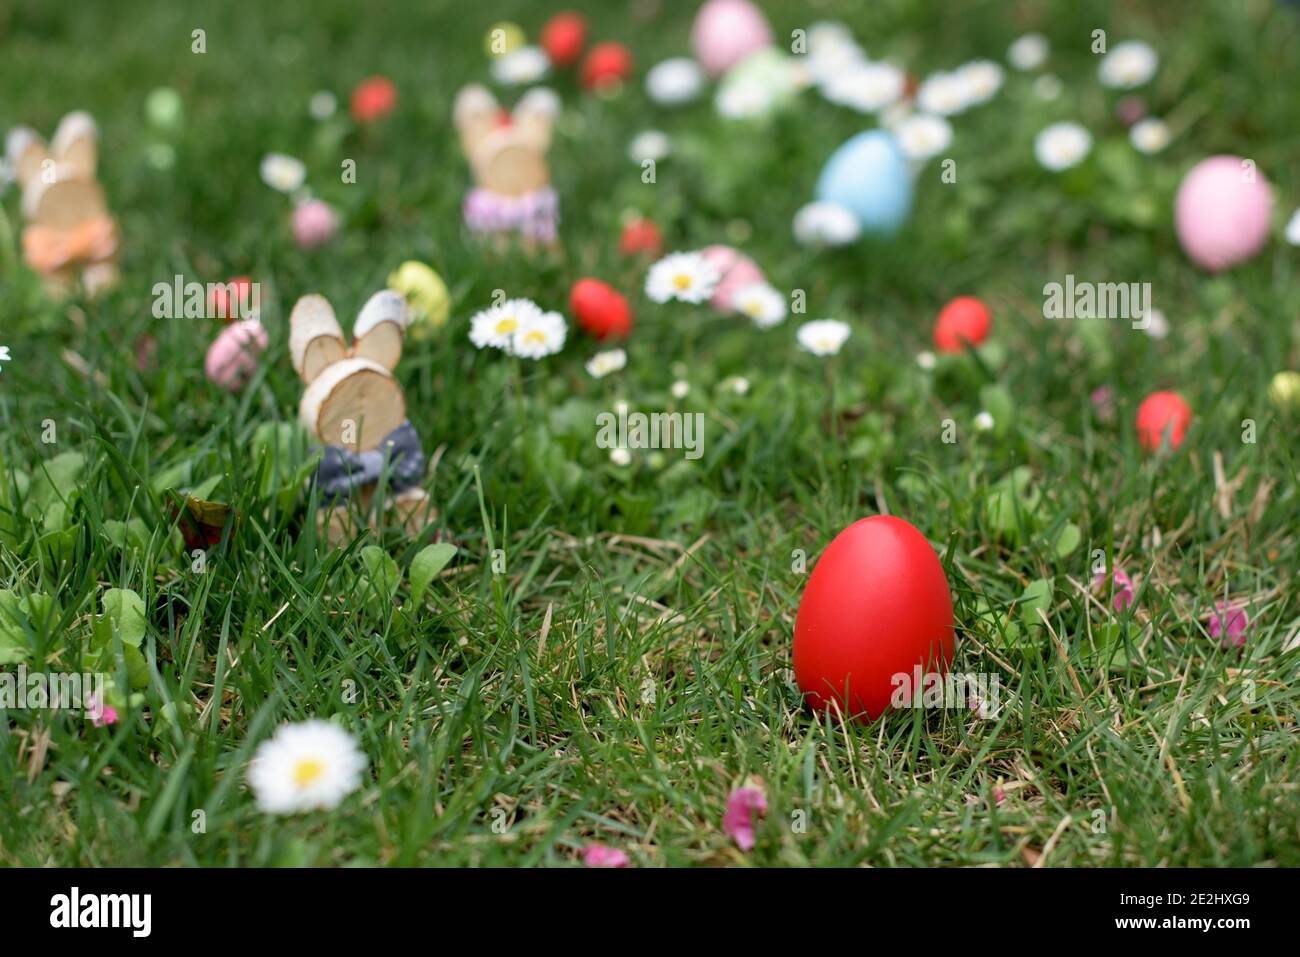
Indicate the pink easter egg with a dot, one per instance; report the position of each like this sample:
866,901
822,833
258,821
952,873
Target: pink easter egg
737,271
232,357
1222,212
727,31
314,224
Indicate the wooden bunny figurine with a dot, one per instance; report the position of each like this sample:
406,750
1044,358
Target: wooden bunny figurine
69,233
356,408
507,156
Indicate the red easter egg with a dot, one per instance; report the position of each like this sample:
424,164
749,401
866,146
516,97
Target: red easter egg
373,99
600,309
219,303
607,64
1161,412
876,607
963,320
563,37
640,236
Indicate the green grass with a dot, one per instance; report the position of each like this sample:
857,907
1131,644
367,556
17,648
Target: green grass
668,576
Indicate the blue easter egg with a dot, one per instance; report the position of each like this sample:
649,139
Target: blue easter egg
870,176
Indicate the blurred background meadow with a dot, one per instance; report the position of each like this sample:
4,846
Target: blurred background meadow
628,666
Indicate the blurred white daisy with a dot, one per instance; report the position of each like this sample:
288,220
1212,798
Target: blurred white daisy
1048,87
1129,64
943,93
604,363
540,99
305,766
867,88
832,51
496,326
1029,52
823,337
1157,326
675,80
650,145
825,224
322,105
982,79
983,421
923,136
687,277
925,359
1149,135
520,67
283,173
680,389
620,456
1062,145
761,303
736,383
539,335
4,356
1293,229
743,101
892,117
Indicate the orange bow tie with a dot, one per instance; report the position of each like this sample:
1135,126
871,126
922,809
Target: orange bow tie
49,250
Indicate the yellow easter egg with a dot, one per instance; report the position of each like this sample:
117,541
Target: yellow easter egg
1284,390
503,38
426,295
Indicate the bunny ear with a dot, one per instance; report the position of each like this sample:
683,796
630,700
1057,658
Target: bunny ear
315,339
535,114
475,114
378,332
25,151
76,144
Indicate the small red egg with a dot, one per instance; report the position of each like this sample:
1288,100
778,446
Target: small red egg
373,99
219,304
1161,412
876,606
563,37
608,63
640,236
600,309
963,320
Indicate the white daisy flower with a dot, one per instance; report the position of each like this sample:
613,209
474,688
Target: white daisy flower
925,359
674,81
496,326
1048,87
283,173
650,145
1062,145
1129,64
322,105
4,355
982,79
823,337
892,117
923,136
541,100
867,88
539,335
520,67
687,277
680,389
825,224
761,303
983,421
1293,229
604,363
943,93
1157,326
737,384
306,766
1029,52
743,101
1149,135
620,456
831,51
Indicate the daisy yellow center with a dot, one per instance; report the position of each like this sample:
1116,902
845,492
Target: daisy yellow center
682,281
307,771
507,325
535,336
